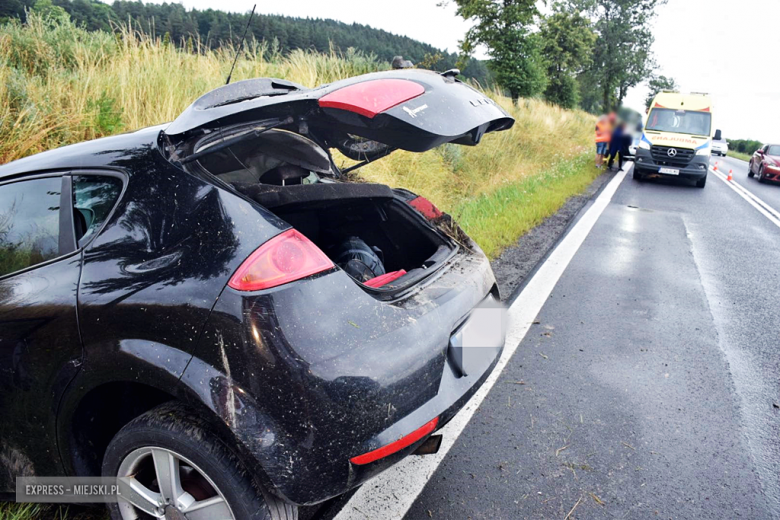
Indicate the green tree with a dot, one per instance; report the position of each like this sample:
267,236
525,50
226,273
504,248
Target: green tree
744,145
621,56
657,84
567,47
503,26
48,10
12,9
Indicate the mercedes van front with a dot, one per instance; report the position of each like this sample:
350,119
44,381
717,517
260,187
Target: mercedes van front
677,139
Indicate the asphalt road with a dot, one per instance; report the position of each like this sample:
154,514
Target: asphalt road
769,193
650,386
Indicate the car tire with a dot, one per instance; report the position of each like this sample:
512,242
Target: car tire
701,182
750,169
637,176
208,468
760,175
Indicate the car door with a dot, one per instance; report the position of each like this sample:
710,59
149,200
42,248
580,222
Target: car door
40,348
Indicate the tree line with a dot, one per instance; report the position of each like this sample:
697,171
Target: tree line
748,146
584,53
213,28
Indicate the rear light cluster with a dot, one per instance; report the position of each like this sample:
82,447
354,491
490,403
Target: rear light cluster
370,98
403,442
285,258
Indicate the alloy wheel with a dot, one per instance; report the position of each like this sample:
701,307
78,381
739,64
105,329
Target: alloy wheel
160,483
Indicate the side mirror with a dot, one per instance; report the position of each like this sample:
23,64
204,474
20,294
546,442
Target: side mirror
760,151
718,136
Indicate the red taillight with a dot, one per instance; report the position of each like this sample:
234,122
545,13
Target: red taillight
403,442
369,98
287,257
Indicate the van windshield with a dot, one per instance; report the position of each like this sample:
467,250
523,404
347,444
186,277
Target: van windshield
679,121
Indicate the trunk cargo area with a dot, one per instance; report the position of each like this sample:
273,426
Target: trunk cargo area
330,214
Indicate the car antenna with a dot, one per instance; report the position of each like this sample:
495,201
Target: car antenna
241,45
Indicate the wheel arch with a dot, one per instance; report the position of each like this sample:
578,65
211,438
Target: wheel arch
92,414
98,415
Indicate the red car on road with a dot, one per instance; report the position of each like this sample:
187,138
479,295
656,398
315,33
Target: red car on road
765,164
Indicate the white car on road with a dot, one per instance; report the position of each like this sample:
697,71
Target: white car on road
720,147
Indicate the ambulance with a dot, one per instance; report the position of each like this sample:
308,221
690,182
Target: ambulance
677,138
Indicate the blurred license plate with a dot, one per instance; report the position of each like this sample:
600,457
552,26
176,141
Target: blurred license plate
477,342
669,171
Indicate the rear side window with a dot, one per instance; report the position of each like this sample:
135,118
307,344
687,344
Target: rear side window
29,223
94,197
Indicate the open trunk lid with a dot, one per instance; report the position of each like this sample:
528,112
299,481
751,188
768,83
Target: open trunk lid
410,109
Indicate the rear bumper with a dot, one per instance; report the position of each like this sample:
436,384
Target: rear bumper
453,394
647,166
317,372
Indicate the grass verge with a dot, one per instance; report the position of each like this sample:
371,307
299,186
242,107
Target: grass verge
13,511
495,220
739,155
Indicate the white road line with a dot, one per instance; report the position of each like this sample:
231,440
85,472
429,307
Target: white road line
764,208
392,493
752,195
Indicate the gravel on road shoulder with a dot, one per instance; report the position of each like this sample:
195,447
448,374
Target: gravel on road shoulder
514,265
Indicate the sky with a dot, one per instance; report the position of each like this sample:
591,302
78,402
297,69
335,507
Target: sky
728,49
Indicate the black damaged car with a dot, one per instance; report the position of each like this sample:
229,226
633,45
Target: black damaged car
209,310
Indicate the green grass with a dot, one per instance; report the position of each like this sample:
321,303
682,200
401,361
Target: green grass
495,220
13,511
739,155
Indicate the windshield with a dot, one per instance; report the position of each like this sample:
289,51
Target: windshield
773,150
679,121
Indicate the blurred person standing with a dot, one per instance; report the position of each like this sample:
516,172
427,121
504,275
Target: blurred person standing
617,143
603,135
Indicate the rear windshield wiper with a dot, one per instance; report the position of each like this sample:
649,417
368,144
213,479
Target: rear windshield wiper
238,139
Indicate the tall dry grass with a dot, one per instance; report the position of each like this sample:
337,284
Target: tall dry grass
542,135
60,84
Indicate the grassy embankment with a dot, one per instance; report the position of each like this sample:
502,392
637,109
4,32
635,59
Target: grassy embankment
739,155
60,85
